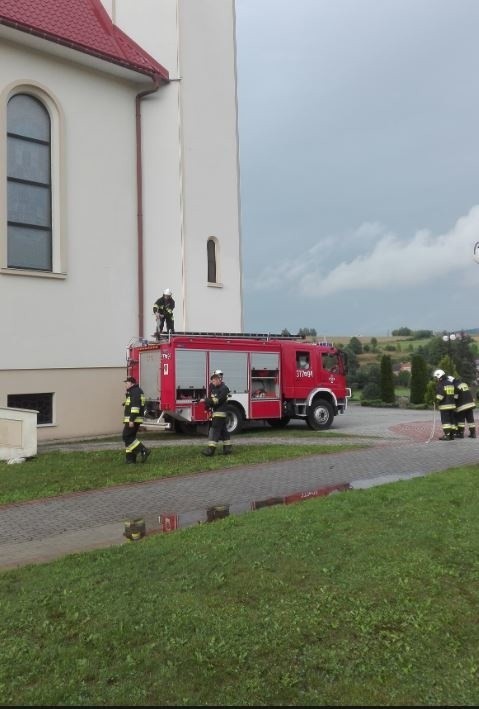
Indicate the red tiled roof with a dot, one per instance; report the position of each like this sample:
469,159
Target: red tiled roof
83,25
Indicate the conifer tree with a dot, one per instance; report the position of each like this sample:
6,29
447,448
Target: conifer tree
387,380
419,379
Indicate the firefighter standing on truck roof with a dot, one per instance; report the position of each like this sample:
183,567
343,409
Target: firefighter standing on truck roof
163,310
465,406
133,416
446,403
216,401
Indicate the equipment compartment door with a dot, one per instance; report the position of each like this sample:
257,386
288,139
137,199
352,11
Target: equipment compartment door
265,401
149,370
190,375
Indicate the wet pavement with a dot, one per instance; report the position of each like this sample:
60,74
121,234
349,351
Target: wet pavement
402,444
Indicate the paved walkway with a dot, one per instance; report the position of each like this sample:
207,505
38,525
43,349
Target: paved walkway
403,445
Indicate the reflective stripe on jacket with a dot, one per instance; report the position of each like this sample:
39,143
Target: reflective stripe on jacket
134,405
164,306
445,396
217,398
464,398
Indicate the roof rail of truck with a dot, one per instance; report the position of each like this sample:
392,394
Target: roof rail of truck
259,336
236,335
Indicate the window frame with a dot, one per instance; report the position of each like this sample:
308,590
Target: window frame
43,187
212,241
48,404
57,239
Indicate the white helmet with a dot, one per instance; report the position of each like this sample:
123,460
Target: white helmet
439,373
218,372
167,291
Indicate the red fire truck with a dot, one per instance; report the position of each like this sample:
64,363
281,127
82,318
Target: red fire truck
271,378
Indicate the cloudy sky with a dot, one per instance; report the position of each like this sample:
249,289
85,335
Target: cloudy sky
359,153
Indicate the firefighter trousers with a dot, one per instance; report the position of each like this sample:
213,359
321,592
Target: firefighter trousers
218,431
465,416
130,437
448,421
170,323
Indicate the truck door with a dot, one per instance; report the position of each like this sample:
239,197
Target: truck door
306,372
331,367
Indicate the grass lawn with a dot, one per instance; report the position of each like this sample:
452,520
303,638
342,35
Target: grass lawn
363,598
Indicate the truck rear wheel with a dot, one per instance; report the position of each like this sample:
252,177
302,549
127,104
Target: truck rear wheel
185,427
320,416
234,419
279,423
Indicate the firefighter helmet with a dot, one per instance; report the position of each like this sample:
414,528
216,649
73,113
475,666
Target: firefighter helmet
167,291
439,373
218,372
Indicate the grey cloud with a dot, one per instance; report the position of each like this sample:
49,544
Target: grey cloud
389,262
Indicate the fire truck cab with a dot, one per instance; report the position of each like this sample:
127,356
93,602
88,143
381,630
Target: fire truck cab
270,377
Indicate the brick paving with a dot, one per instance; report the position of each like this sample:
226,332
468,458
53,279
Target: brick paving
403,444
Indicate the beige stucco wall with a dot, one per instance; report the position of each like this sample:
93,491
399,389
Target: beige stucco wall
87,402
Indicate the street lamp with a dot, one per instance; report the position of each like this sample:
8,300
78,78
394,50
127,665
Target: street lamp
452,337
449,337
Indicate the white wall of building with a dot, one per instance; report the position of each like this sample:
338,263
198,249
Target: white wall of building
190,158
67,333
82,319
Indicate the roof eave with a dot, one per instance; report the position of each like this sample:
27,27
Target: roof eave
158,75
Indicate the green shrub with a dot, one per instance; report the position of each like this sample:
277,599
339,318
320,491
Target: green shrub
371,390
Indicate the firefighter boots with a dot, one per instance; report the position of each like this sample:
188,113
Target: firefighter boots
447,437
472,433
130,458
459,433
208,451
227,450
144,453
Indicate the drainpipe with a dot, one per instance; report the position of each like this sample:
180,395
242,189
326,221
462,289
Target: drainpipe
139,197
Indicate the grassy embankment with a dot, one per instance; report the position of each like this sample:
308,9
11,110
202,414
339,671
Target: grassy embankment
365,598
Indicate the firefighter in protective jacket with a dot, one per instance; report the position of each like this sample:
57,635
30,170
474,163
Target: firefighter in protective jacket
216,401
163,311
134,408
465,406
446,403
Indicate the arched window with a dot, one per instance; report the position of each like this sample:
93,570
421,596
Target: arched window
211,254
29,188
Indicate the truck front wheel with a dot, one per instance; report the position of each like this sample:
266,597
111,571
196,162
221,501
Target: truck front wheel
234,419
320,416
